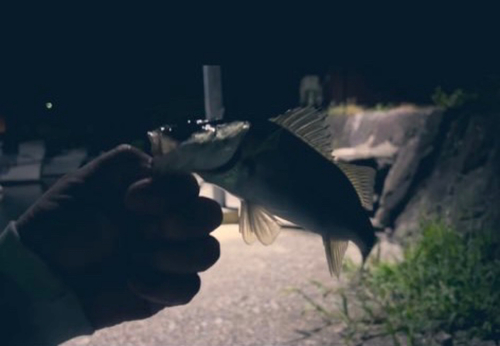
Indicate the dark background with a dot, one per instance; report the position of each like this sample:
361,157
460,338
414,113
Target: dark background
114,72
120,99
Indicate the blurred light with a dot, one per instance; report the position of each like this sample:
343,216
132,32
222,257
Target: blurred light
49,105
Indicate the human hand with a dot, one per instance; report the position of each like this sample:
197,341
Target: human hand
126,243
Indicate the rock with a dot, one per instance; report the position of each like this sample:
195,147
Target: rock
394,126
461,183
386,340
430,165
400,139
366,151
463,341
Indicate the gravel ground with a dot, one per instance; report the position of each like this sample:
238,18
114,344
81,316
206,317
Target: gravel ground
243,300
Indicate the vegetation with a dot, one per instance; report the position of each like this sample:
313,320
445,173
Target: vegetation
454,100
446,283
380,107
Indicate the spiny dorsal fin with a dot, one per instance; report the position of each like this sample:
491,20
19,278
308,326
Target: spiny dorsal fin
309,125
257,223
363,180
335,251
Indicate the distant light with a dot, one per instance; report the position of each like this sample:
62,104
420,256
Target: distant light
49,105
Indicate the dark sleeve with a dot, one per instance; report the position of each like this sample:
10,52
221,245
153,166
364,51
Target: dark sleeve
36,308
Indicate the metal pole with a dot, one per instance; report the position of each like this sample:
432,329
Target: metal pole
214,109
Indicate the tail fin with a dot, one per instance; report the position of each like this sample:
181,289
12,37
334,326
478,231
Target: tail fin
365,252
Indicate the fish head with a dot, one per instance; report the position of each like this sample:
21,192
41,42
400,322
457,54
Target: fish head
197,145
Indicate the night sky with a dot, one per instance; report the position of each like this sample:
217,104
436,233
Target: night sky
121,74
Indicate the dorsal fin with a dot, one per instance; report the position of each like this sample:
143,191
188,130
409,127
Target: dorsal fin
363,180
308,124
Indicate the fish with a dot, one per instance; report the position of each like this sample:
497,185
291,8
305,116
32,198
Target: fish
281,168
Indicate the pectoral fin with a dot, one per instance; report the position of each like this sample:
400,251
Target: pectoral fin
257,223
335,251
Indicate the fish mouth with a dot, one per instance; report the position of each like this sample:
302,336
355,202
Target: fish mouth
160,144
166,138
199,145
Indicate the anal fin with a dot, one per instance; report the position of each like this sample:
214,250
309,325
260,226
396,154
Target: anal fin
335,251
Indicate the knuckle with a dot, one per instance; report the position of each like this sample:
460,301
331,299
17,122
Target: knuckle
140,197
123,148
121,157
125,152
212,252
208,254
209,213
192,287
190,184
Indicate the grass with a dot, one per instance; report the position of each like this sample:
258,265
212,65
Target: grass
455,99
445,283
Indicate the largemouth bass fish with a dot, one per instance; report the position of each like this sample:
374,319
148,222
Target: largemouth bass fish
281,167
